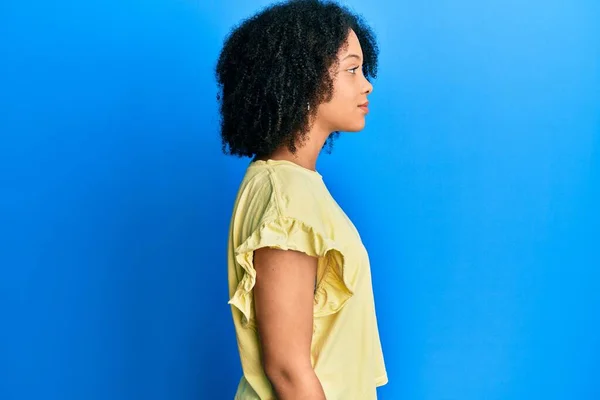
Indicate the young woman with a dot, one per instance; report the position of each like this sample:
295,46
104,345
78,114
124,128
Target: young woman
291,78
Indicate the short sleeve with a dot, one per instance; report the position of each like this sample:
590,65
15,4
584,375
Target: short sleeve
287,233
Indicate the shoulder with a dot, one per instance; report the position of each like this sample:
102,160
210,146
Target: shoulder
297,191
268,192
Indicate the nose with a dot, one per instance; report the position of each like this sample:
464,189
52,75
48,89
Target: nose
368,87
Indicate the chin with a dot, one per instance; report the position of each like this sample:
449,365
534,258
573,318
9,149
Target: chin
355,127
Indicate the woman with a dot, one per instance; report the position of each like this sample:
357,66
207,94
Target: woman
292,77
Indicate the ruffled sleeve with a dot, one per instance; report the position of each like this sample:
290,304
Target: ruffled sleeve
287,233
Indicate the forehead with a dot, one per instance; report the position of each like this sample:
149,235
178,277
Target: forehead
351,46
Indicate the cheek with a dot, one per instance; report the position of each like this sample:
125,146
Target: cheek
343,105
344,96
337,108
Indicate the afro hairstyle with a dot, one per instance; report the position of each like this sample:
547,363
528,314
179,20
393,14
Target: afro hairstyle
273,70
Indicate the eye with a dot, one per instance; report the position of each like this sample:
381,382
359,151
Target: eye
353,70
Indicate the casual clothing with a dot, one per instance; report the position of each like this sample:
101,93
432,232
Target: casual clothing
283,205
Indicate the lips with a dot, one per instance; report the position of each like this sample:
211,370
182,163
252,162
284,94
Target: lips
364,107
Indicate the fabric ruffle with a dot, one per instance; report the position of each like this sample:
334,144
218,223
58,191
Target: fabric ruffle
288,233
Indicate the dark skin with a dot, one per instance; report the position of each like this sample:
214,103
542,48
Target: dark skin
285,284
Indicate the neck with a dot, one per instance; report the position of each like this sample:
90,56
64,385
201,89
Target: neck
307,151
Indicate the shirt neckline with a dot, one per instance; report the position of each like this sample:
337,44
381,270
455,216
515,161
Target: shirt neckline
285,162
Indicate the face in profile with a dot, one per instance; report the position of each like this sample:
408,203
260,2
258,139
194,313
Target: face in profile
350,89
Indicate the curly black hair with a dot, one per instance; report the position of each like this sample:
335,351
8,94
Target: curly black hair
277,62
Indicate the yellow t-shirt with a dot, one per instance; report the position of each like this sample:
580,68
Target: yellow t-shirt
283,205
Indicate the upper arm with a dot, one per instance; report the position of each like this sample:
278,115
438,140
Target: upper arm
276,291
284,301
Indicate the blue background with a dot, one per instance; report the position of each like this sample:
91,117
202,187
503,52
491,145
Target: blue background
475,187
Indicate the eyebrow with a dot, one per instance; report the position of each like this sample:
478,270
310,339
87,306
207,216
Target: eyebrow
351,55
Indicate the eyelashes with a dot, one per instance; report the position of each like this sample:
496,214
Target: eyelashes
353,70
